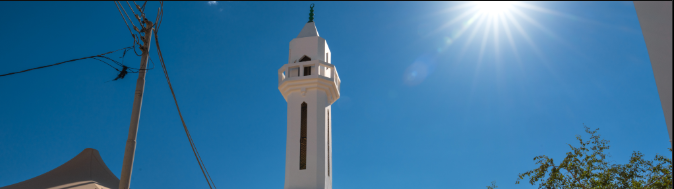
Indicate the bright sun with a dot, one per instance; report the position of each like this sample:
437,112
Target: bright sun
484,25
493,7
489,23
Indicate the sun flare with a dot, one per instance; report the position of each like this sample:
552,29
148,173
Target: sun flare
490,29
493,7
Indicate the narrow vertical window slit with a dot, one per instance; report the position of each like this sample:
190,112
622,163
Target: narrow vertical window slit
329,162
303,137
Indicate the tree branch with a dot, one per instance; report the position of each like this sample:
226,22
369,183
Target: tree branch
574,177
655,180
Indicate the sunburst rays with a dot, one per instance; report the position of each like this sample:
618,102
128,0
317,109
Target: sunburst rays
490,29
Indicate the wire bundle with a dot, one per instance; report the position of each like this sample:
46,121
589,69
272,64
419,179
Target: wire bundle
157,24
136,41
95,57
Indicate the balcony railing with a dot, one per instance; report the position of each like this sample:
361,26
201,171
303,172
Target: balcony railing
319,69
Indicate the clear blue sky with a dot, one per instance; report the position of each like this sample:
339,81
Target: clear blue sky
425,102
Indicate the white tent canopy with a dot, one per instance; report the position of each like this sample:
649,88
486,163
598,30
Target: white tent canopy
86,170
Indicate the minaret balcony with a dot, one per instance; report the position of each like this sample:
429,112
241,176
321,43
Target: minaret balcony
310,74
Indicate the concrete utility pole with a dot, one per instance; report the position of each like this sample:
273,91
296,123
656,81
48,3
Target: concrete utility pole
129,152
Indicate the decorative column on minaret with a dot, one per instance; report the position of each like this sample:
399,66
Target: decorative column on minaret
310,84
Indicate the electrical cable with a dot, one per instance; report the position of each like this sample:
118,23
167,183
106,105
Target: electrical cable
118,63
134,13
161,16
141,10
95,56
135,41
207,176
127,24
152,65
143,5
106,63
127,16
122,65
189,137
156,20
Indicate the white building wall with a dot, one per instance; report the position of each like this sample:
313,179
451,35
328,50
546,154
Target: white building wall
327,53
319,93
314,47
328,145
315,174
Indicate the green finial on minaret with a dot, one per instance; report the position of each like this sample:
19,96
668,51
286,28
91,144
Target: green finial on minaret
311,13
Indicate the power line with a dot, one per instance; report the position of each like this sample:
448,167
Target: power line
160,14
134,13
140,37
135,41
207,176
93,57
105,63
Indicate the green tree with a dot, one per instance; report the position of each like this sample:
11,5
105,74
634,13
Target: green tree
493,185
587,167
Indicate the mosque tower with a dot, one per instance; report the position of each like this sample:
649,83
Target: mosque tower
310,84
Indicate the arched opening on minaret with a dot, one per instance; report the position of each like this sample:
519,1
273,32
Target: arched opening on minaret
303,137
305,58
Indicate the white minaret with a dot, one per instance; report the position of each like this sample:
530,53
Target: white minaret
310,84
